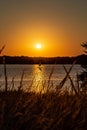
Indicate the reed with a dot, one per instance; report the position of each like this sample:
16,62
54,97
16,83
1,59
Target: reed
65,78
1,49
5,70
21,82
5,74
29,110
72,84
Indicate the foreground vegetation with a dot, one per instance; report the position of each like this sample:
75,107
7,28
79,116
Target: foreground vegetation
42,111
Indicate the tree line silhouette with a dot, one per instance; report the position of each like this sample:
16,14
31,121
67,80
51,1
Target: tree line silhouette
81,59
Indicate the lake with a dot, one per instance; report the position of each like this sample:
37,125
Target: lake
36,76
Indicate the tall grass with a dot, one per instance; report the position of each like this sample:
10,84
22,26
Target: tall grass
5,74
42,111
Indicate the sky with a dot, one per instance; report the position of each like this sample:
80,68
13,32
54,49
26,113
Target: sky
60,26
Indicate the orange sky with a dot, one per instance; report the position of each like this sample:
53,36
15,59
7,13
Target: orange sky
59,26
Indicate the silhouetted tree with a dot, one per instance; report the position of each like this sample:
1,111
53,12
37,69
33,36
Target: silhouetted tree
84,45
83,75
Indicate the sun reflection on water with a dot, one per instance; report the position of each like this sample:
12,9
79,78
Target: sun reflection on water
38,73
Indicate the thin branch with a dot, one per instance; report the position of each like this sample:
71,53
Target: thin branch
65,78
71,81
2,49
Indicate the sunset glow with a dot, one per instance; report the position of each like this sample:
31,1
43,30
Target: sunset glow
46,28
38,46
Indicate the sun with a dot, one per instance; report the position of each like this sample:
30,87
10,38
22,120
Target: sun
38,46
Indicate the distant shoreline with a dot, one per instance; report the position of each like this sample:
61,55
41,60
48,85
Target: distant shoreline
81,59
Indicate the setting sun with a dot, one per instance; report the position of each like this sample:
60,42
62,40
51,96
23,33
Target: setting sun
38,46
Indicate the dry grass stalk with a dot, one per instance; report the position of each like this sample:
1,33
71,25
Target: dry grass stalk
5,74
31,84
71,81
2,49
12,83
49,78
65,78
21,82
78,85
5,70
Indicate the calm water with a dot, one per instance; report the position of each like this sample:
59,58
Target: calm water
35,75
